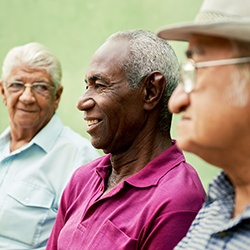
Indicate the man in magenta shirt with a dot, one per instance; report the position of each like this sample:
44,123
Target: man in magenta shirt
142,194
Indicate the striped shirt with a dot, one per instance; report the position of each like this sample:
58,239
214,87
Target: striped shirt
213,227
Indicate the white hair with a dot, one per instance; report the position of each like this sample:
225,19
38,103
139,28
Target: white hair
34,55
148,53
240,78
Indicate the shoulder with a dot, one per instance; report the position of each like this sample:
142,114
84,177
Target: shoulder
70,138
70,135
182,187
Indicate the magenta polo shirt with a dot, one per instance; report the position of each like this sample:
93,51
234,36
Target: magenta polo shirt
150,210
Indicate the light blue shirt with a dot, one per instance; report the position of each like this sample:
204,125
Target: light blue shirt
32,179
214,228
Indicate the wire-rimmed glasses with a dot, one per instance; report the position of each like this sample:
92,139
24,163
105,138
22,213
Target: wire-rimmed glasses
188,70
40,88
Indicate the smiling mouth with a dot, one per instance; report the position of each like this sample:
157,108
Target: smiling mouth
27,111
92,122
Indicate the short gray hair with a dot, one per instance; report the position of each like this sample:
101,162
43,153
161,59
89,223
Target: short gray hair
148,53
240,79
34,55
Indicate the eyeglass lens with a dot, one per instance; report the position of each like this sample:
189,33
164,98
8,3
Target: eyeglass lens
38,88
187,76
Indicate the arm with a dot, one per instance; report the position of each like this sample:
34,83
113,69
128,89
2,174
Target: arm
166,230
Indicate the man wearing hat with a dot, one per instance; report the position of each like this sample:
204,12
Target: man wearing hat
214,98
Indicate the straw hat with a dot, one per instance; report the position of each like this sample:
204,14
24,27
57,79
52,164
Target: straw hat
223,18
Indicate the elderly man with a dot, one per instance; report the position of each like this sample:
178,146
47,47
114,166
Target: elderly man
214,96
142,194
37,152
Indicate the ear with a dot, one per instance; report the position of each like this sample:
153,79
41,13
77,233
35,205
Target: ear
57,97
154,87
2,91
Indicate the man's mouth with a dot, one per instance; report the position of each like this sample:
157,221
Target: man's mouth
27,110
92,122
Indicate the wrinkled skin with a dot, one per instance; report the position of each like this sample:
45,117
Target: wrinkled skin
214,125
122,121
28,112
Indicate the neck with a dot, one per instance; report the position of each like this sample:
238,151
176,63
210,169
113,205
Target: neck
242,199
133,160
241,182
20,138
16,144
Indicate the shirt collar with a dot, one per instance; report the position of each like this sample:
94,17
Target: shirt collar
152,172
157,168
46,137
220,187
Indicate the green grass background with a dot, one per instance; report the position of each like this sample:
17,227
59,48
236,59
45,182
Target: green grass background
74,29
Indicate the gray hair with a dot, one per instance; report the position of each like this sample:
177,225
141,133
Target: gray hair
148,53
34,55
236,92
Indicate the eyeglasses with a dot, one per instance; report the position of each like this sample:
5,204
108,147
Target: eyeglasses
40,88
188,70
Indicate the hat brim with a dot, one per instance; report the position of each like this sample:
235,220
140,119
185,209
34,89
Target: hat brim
230,30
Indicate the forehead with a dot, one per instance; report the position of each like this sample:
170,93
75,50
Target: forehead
209,46
107,59
23,71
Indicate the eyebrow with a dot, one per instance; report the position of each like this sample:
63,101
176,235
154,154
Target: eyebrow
36,81
96,77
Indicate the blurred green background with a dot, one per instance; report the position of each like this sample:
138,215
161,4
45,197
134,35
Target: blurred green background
74,29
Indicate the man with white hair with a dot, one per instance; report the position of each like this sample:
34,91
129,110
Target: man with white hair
37,152
214,97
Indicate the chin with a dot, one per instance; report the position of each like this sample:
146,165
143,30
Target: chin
184,144
96,143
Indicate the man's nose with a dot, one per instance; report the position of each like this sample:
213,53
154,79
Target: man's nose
85,102
179,100
27,94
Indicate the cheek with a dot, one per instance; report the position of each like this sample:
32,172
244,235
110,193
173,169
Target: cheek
204,120
214,124
237,93
11,102
49,103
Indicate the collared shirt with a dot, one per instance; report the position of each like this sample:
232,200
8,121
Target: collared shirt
214,228
31,182
150,210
